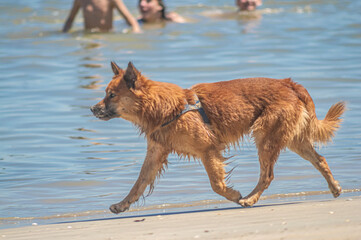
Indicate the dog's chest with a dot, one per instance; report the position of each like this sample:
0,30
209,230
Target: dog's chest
181,143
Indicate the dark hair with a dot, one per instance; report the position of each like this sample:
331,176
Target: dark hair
163,9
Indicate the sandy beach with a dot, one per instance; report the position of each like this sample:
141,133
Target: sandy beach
334,219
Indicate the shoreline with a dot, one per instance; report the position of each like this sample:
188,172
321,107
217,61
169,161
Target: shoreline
326,219
171,208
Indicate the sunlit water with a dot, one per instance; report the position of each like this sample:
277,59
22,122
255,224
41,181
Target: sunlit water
56,158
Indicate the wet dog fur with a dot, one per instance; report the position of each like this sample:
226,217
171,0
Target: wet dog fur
276,113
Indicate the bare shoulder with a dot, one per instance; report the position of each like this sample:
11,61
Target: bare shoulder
175,17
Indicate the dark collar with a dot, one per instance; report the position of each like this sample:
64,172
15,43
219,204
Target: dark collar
191,107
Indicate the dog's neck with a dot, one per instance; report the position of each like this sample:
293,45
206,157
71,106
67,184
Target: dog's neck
190,107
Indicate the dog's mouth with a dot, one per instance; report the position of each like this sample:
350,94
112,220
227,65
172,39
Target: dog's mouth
102,113
104,118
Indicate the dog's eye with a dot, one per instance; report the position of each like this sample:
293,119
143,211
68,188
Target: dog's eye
111,95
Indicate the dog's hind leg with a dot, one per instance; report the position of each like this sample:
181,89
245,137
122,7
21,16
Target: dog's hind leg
267,158
213,162
307,151
154,163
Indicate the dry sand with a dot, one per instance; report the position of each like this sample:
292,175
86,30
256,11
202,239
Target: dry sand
335,219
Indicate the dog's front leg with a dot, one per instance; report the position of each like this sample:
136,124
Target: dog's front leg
153,164
213,162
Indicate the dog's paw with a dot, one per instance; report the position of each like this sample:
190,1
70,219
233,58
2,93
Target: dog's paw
119,207
336,189
247,202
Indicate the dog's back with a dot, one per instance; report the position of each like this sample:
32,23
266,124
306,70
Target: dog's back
260,106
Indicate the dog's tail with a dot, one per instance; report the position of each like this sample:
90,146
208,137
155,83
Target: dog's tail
322,131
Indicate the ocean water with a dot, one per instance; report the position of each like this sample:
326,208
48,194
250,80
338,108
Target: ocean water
57,159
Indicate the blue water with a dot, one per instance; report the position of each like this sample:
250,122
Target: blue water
56,158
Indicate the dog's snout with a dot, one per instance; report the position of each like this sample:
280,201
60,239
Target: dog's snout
92,108
100,112
96,109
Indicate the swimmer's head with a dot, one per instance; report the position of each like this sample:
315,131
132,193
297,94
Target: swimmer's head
152,10
248,5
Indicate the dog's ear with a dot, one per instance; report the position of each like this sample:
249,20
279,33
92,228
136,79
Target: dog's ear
131,75
116,69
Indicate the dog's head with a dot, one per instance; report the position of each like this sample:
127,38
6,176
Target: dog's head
120,99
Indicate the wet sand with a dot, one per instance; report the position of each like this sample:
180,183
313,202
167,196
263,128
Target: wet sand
334,219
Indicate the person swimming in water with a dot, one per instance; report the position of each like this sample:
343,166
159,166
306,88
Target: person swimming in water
248,5
154,11
98,15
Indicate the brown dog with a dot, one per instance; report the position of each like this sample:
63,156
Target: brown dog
276,113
